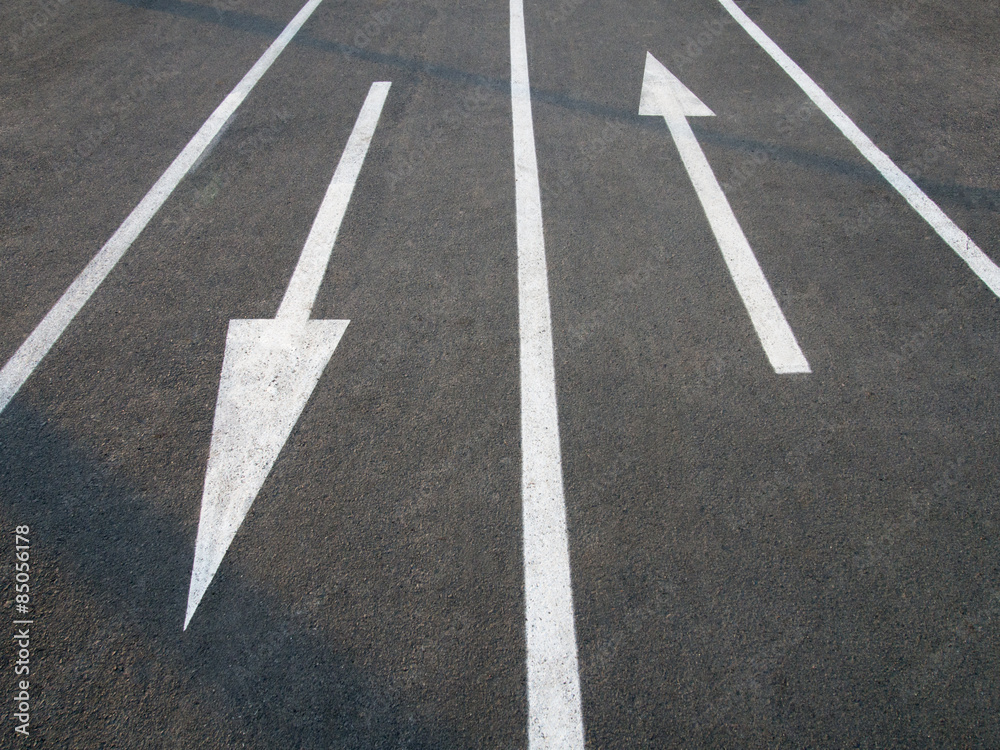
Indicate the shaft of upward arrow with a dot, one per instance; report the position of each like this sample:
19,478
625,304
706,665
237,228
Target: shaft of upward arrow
269,371
665,96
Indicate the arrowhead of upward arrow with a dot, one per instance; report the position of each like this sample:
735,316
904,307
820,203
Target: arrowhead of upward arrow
663,95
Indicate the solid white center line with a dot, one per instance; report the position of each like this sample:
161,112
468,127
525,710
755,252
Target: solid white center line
555,717
967,250
30,354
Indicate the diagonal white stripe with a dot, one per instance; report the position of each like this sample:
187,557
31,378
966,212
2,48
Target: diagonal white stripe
959,241
30,354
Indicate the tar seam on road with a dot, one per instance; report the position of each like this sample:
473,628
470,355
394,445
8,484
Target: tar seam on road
270,370
960,242
34,349
555,715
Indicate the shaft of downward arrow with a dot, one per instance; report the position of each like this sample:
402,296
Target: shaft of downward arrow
298,301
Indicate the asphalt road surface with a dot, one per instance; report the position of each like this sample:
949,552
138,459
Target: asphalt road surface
553,486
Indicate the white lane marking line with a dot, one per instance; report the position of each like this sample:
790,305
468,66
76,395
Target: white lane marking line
34,349
555,716
959,241
270,370
663,95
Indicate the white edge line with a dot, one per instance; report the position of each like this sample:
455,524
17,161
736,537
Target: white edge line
302,289
958,240
34,349
555,716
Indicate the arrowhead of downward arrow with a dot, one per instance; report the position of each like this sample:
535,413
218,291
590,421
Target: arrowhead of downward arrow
268,374
664,95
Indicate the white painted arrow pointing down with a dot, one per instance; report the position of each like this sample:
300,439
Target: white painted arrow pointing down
665,96
270,370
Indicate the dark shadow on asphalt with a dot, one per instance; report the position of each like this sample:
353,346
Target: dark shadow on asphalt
252,675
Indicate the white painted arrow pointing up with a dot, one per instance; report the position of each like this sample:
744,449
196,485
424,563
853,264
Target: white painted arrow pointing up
270,370
665,96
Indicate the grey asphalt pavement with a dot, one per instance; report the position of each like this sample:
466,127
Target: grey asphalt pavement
758,560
